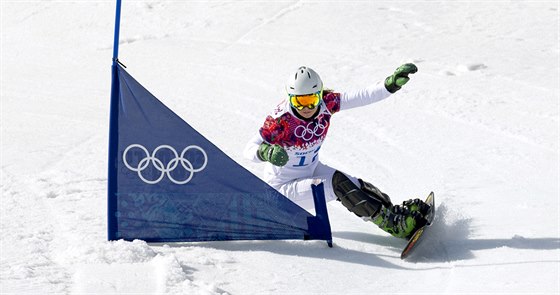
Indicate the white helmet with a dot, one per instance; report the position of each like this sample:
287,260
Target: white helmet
305,81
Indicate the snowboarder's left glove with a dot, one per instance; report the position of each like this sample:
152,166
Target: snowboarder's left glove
274,154
400,77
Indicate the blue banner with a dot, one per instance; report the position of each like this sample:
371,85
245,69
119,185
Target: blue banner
169,183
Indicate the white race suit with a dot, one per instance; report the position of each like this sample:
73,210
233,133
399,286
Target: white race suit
302,140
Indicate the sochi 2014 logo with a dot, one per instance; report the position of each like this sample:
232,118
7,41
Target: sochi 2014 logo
164,161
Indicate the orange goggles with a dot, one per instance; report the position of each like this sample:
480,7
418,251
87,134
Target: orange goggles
302,101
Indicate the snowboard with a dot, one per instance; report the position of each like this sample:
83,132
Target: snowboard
416,238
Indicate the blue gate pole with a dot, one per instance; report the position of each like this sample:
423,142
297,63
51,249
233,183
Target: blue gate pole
112,227
117,31
321,225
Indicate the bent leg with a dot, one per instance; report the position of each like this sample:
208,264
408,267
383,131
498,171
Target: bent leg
358,196
370,203
299,190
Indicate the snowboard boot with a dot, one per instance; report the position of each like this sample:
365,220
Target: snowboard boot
398,221
416,205
406,218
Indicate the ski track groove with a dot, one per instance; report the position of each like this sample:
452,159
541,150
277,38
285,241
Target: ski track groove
489,129
291,7
35,235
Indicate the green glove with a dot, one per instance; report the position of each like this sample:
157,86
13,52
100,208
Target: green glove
400,77
274,154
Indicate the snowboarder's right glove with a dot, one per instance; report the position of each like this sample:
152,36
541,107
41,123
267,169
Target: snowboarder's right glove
274,154
400,77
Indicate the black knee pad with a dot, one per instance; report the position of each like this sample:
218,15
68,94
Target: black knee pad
375,193
353,198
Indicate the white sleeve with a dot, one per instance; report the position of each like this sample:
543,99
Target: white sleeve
250,151
369,95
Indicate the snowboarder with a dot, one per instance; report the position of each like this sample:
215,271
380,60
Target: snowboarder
290,139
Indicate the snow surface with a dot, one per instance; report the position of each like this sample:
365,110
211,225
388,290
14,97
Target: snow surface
478,124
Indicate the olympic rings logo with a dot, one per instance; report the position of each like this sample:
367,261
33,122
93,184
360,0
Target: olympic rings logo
161,167
306,133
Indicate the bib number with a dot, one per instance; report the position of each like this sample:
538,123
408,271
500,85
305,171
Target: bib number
305,160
